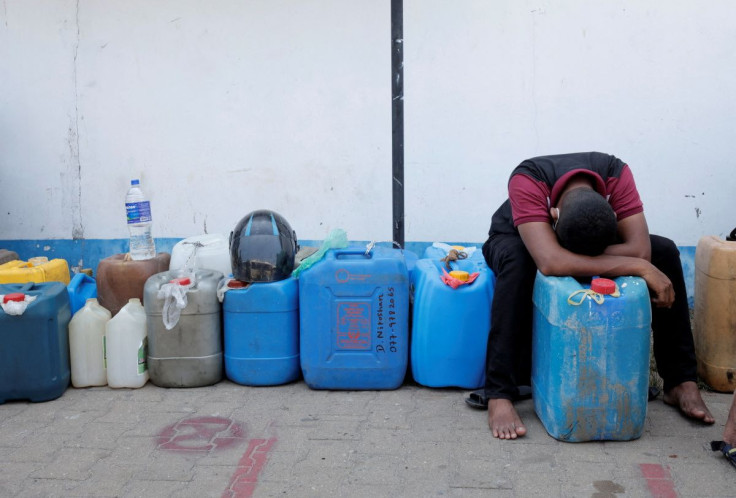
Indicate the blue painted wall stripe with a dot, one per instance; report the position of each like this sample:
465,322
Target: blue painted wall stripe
87,253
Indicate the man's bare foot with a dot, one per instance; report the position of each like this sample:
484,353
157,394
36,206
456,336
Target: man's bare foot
686,397
503,420
729,432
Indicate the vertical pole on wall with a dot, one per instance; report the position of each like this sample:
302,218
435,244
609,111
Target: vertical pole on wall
397,118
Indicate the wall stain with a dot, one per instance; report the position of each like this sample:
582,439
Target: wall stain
73,140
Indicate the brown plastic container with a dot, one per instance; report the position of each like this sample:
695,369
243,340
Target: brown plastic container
6,255
714,328
120,279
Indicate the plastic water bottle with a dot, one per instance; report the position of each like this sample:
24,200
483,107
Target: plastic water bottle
139,223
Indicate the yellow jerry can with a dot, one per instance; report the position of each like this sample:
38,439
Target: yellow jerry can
35,270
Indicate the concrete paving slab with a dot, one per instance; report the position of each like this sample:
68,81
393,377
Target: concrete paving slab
237,441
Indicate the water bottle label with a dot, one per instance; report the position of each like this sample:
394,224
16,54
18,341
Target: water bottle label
142,353
138,212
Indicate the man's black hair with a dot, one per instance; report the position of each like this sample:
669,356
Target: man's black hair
587,223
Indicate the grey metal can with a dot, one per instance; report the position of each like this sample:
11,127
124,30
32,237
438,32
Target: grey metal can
190,354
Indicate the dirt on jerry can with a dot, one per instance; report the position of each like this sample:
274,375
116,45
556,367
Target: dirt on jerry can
590,357
354,316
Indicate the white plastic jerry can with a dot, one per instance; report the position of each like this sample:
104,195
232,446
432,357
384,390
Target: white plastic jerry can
86,345
126,347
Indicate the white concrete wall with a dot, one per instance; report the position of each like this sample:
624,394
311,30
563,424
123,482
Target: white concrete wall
223,107
491,83
219,107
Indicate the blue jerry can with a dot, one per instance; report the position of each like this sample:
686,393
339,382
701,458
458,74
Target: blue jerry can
450,326
81,288
34,356
262,333
590,357
354,316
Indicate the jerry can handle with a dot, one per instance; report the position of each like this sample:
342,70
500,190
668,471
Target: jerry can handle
349,253
11,265
78,280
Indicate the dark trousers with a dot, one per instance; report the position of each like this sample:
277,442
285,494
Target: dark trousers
508,359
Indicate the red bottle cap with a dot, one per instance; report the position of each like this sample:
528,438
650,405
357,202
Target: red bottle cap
14,296
181,281
236,284
603,286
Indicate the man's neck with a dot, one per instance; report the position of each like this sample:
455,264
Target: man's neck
582,181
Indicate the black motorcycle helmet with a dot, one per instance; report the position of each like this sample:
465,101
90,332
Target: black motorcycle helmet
262,247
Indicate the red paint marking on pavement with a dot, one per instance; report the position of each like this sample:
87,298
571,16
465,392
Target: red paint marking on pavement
201,434
245,479
659,480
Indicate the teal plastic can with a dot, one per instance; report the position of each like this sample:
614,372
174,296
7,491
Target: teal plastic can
34,356
262,333
450,326
590,358
354,318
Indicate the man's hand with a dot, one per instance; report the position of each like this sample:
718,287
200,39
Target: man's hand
663,294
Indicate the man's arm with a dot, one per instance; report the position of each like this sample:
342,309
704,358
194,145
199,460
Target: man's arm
634,235
554,260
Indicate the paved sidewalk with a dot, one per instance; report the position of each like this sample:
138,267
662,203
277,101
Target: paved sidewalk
231,440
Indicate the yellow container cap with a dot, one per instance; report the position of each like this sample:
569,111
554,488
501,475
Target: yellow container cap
460,275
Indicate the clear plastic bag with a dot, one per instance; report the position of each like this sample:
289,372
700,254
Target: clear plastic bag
174,295
14,307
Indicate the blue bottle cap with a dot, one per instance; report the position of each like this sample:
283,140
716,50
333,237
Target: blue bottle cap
134,182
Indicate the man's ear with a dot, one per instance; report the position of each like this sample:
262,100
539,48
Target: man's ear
554,213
